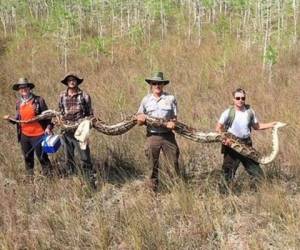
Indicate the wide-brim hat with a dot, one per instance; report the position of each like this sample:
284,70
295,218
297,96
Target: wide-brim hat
157,77
23,83
78,78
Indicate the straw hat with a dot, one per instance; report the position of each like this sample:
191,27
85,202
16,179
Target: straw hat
78,78
23,83
157,77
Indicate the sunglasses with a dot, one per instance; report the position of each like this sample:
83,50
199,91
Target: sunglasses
240,98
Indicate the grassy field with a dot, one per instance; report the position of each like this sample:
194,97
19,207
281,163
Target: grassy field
207,49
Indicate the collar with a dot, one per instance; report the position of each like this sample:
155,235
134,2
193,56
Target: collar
162,96
79,91
26,100
242,109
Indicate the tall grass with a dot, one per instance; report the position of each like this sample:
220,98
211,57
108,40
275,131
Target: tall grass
206,49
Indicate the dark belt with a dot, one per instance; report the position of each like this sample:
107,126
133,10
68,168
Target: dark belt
247,141
159,133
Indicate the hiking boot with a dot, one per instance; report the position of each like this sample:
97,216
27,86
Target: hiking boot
90,177
29,172
92,184
152,185
47,171
29,177
70,170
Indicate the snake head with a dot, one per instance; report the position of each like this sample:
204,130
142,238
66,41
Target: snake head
280,124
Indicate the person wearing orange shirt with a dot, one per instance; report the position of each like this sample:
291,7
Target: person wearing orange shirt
30,135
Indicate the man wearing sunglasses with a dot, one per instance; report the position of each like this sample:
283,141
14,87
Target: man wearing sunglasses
162,105
239,120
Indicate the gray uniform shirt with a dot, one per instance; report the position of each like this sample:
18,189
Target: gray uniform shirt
163,107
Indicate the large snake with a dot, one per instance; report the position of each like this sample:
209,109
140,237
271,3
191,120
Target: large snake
180,128
235,143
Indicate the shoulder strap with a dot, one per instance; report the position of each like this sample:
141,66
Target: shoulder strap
37,103
83,103
61,104
230,118
250,116
18,103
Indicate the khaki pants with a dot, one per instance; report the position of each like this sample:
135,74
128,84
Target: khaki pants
167,143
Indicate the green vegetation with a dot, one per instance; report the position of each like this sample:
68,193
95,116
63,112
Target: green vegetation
206,48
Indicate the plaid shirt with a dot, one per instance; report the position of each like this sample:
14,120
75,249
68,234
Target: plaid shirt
75,107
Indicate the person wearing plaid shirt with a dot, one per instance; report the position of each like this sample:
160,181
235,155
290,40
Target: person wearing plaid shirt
75,104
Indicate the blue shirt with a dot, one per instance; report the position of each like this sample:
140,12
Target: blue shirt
163,107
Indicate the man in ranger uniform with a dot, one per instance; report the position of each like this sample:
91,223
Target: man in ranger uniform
161,105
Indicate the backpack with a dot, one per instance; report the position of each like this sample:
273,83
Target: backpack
231,116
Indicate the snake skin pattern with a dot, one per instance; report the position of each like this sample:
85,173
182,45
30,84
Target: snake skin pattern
235,143
180,128
99,125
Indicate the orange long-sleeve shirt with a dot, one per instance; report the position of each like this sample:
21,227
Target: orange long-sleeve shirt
27,111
